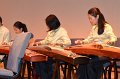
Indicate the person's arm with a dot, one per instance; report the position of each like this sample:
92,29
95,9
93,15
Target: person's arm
60,38
108,34
64,41
90,37
42,42
113,38
6,38
45,41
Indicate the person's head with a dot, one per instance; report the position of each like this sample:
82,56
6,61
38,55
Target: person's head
96,18
52,22
19,27
0,20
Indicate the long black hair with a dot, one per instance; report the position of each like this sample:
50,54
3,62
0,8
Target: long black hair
101,20
21,25
52,22
0,19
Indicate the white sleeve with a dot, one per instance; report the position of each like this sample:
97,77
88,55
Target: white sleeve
7,37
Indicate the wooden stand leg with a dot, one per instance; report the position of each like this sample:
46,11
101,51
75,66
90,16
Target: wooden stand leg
23,69
70,67
56,70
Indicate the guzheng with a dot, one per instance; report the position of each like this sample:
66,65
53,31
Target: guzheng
60,54
29,55
91,49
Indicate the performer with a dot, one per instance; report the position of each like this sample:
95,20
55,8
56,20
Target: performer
101,33
57,37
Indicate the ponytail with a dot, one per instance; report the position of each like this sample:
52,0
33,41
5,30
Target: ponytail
101,24
24,28
21,25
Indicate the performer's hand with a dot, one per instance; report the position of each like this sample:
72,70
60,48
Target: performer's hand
78,42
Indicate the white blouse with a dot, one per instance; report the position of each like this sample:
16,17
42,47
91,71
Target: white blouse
57,36
4,34
107,35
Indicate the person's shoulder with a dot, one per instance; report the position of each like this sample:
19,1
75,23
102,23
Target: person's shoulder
32,36
107,25
61,28
4,28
